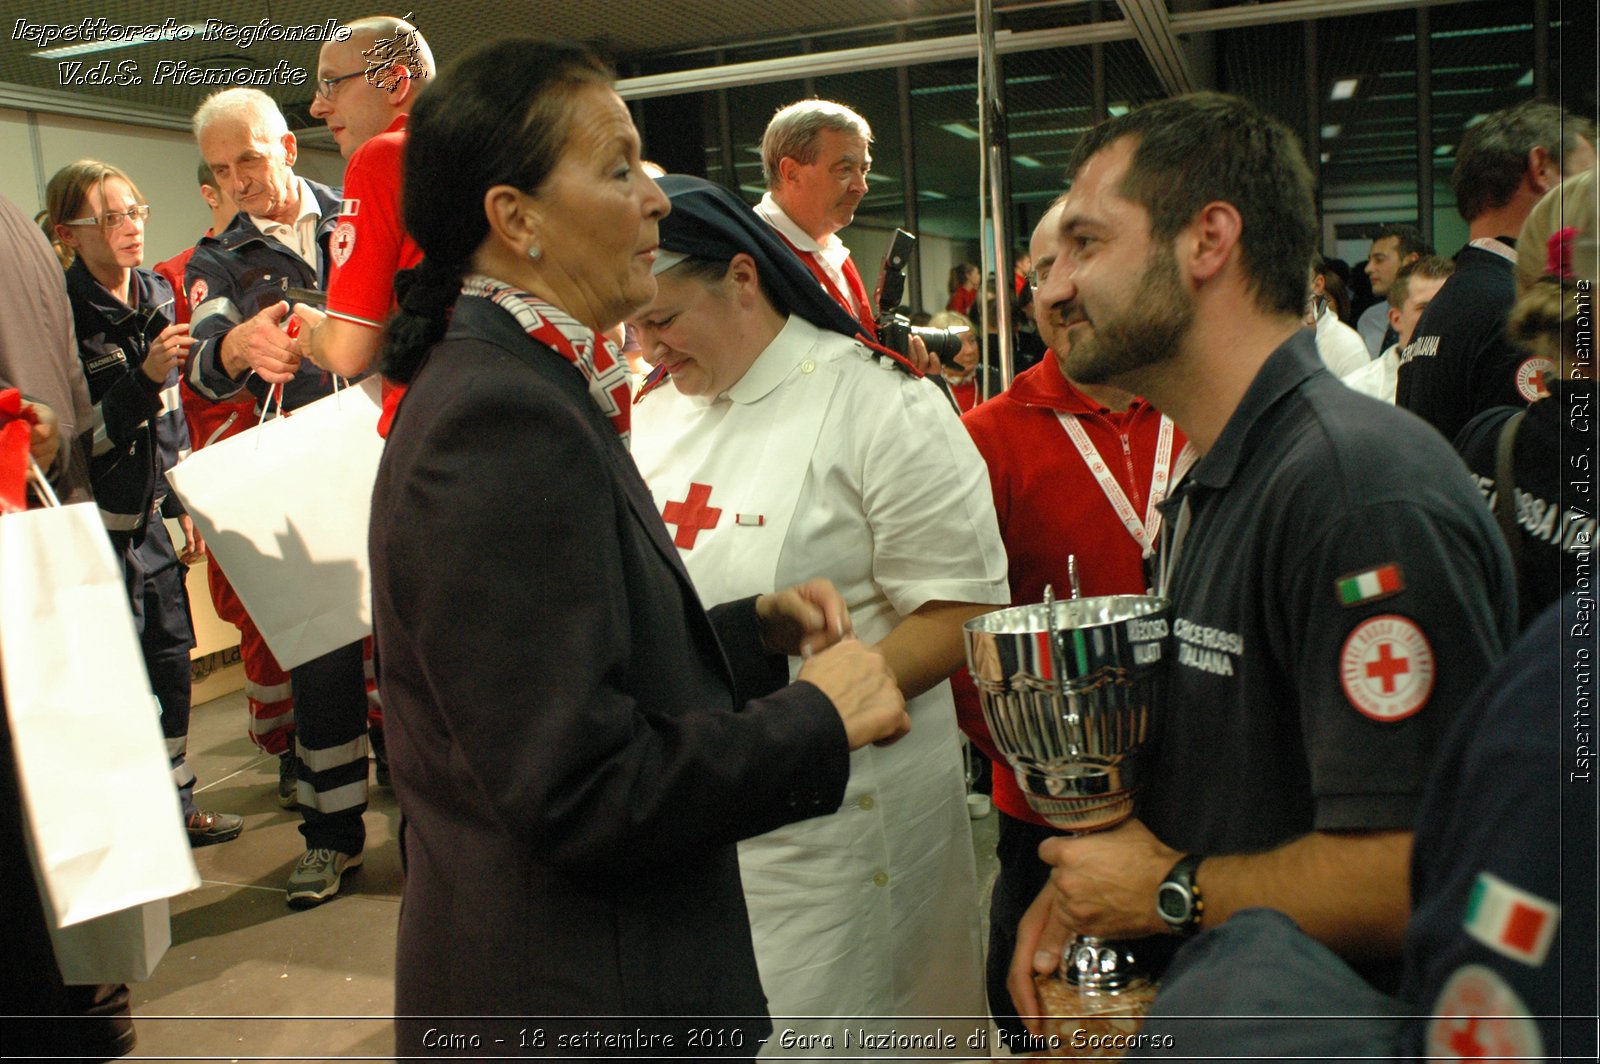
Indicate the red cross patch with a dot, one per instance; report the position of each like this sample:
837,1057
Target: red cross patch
197,293
1531,377
1479,1017
1386,668
692,516
342,243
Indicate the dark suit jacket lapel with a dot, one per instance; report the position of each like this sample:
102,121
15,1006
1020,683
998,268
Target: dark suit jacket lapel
480,317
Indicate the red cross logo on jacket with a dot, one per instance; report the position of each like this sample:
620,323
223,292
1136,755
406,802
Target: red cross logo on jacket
691,516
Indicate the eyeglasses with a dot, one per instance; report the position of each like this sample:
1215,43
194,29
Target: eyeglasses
114,219
327,86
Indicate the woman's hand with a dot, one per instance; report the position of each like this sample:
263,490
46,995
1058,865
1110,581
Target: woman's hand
803,619
863,691
170,348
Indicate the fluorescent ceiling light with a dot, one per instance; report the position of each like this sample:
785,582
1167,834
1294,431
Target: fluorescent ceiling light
1343,89
1526,80
1444,149
1069,131
1329,132
972,86
875,178
1117,110
754,190
960,129
1478,31
176,33
1477,68
929,193
1028,161
1326,156
1474,120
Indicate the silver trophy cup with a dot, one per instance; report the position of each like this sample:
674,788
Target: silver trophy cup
1070,690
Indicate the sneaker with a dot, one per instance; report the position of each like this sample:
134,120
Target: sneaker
288,780
206,827
316,878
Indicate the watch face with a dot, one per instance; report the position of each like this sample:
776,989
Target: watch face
1173,902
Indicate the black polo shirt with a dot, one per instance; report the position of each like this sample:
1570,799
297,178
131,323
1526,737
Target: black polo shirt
1552,463
1340,591
1459,360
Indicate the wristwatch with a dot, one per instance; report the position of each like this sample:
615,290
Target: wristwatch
1178,898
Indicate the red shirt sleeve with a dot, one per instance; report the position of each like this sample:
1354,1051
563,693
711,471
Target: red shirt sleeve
369,244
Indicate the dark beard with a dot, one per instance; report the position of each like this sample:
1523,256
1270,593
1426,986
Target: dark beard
1147,332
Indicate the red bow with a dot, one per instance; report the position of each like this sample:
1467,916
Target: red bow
1558,253
16,440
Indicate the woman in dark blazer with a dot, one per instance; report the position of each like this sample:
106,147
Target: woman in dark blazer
575,745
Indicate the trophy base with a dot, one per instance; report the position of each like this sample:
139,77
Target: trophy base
1081,815
1091,1024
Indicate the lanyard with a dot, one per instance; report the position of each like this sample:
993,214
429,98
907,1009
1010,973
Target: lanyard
1146,531
1494,247
858,307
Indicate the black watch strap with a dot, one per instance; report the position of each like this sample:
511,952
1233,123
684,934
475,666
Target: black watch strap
1178,898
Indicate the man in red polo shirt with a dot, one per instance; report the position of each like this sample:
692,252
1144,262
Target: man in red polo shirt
367,84
366,87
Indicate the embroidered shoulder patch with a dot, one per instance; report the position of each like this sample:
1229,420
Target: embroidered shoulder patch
1479,1016
1370,585
1387,668
1511,921
1531,377
342,243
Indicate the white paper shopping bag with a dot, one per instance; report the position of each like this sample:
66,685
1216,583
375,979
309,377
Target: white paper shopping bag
284,507
119,947
99,803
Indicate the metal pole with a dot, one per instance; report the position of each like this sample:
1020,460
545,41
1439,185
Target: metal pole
1313,90
1541,48
908,179
992,135
730,172
1424,127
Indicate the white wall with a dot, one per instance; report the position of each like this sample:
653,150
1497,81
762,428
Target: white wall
161,162
868,244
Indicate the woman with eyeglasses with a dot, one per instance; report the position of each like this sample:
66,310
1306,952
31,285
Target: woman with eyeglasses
133,356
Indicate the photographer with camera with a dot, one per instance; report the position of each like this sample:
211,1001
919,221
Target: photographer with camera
785,446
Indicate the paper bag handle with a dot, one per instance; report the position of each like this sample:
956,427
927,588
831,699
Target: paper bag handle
41,483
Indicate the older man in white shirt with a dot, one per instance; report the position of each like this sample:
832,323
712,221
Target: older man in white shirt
816,155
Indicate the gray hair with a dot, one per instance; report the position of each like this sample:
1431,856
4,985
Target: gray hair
1493,155
793,131
251,106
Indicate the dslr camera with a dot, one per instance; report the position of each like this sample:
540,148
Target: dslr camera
895,329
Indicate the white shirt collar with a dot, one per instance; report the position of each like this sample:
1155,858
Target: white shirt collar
773,365
301,234
831,248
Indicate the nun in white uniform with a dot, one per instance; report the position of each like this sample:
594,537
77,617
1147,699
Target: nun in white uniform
778,447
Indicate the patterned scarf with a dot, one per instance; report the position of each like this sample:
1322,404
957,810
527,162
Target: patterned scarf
601,364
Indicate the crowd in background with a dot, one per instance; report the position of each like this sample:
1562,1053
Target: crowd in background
717,771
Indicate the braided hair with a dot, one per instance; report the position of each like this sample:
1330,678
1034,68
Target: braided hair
496,116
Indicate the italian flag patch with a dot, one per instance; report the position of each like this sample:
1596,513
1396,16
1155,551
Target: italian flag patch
1372,584
1511,921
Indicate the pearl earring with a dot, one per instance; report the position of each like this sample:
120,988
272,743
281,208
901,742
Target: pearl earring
534,251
